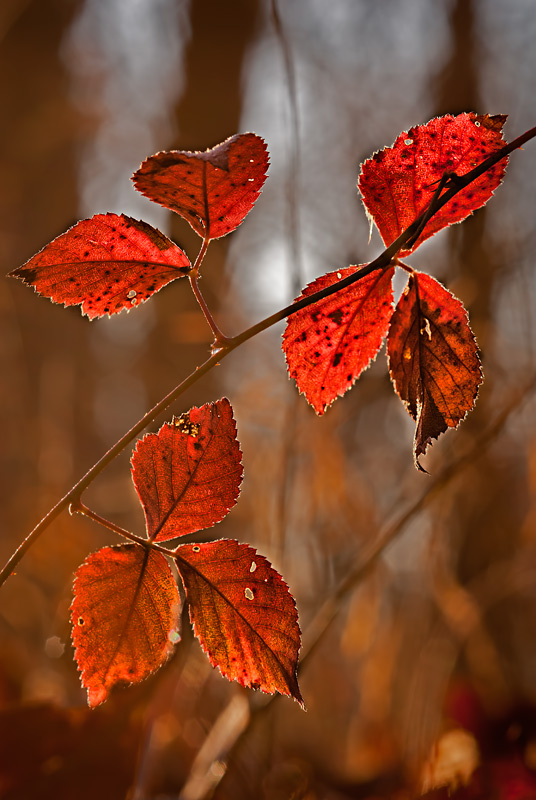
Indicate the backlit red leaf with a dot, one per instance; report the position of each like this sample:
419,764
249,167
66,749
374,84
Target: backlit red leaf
125,615
243,614
105,264
188,474
398,183
329,344
433,358
212,190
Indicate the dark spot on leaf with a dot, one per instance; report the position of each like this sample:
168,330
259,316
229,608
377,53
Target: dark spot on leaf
336,316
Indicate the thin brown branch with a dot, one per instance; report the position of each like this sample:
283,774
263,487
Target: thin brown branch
80,508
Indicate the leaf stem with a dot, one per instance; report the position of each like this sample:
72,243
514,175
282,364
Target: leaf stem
77,507
219,338
229,344
443,181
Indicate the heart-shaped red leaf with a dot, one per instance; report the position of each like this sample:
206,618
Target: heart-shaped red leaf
398,183
243,614
188,474
213,190
105,264
329,344
125,614
433,358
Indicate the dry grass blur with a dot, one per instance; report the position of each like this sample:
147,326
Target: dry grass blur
430,636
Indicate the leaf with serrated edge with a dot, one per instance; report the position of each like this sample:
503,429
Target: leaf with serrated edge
433,359
104,264
398,182
188,474
243,614
329,344
213,190
125,616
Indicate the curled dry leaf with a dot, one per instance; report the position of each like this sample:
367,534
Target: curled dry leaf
188,474
125,614
212,190
243,614
433,359
328,344
398,183
105,264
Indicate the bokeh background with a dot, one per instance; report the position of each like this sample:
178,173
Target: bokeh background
416,593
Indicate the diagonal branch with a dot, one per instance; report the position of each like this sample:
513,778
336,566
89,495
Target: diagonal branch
382,262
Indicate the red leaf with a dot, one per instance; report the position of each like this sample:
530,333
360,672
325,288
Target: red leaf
125,615
243,614
329,344
398,183
188,474
213,190
433,358
105,264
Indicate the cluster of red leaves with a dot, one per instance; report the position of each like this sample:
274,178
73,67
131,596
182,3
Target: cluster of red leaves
111,262
433,358
126,607
127,604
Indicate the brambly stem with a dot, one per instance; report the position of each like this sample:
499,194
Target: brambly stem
227,345
219,338
77,507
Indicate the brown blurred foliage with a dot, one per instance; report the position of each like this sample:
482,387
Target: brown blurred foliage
431,637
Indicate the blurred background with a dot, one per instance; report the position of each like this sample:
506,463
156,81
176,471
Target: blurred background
416,655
